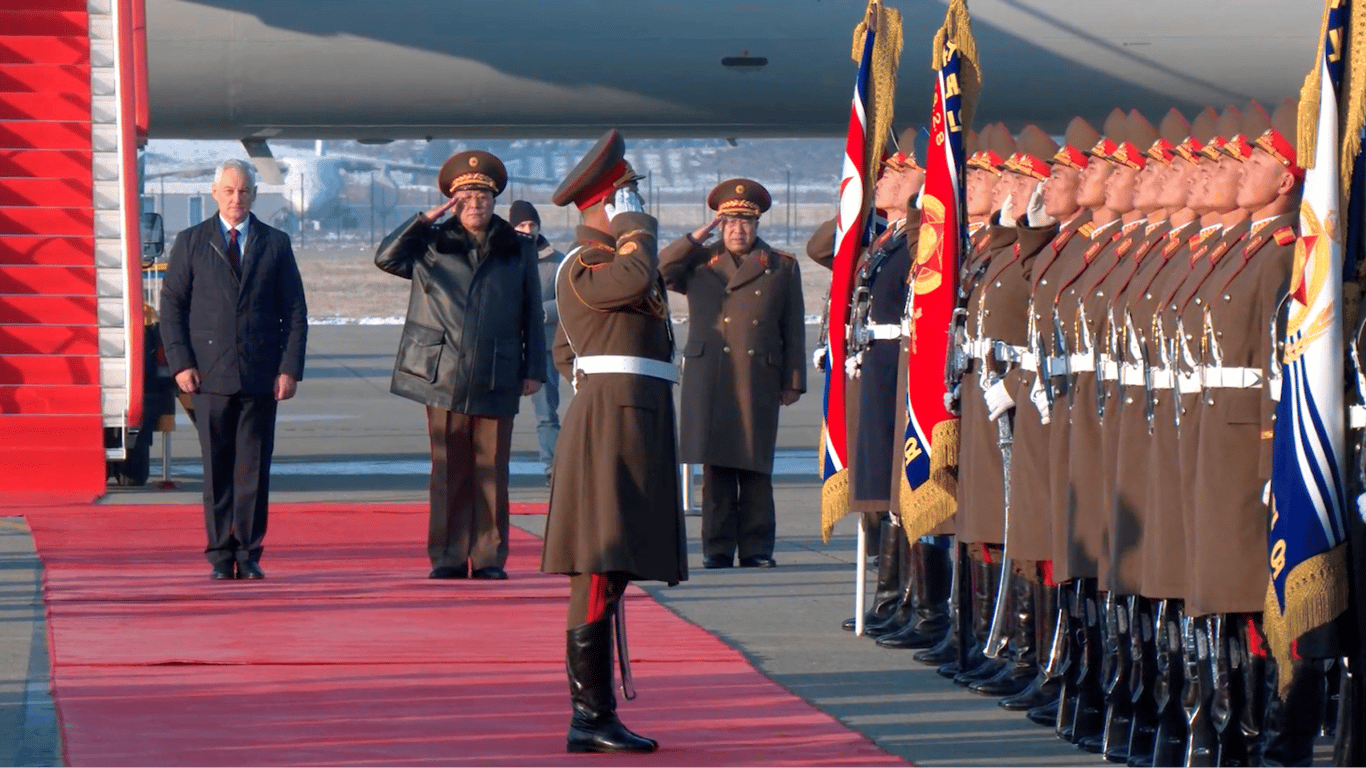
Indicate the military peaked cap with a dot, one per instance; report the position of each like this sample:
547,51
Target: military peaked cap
472,169
601,170
739,197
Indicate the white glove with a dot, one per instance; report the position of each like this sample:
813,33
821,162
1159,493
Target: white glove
1361,505
1040,400
998,400
1266,494
818,359
1035,216
851,365
950,402
1003,217
625,200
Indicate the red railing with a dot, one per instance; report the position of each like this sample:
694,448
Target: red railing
131,63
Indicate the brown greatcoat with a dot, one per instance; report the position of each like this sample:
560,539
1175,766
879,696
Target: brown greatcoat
1164,540
1090,298
1029,486
1226,558
746,344
1084,260
981,490
614,499
1126,416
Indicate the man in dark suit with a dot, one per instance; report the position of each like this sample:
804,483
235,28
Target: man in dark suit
234,324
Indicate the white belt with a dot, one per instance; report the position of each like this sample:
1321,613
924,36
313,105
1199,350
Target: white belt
1356,417
1081,363
1131,375
1162,378
977,349
642,366
1189,382
1220,377
883,331
1109,370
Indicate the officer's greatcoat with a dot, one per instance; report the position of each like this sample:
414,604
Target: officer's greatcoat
746,344
614,498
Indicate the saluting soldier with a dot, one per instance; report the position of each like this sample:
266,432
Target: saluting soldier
997,325
615,513
746,355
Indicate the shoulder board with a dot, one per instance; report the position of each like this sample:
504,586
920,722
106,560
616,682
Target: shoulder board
1285,235
783,254
1086,229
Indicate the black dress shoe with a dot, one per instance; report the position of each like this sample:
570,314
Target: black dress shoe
758,561
492,572
250,571
717,561
223,572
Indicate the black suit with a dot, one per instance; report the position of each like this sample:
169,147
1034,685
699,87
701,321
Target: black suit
241,333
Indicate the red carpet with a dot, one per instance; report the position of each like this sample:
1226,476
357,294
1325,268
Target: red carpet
348,654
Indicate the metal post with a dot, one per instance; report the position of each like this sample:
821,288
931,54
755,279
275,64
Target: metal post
372,209
689,508
789,206
860,575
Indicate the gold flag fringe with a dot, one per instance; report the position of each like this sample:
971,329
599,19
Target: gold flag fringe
957,31
936,500
881,84
1313,598
1354,86
1306,143
834,502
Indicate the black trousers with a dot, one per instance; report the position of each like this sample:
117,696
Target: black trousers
468,489
737,512
237,439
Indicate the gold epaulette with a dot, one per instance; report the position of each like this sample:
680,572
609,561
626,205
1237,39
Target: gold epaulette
1085,230
1285,235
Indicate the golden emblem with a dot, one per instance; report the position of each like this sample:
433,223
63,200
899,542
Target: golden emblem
474,161
628,249
739,189
929,276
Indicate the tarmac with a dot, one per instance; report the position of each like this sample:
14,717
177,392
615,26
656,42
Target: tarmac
345,438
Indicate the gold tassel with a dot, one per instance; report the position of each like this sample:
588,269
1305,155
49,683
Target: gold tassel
1354,86
936,500
957,31
834,502
1307,142
1314,596
881,84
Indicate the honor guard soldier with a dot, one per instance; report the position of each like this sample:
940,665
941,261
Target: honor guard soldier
997,321
615,514
745,356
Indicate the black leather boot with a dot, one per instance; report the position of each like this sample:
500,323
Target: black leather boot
1023,666
1228,701
1088,720
1169,742
1202,742
1045,686
1254,671
892,581
1293,722
1116,668
984,597
1142,680
594,726
931,574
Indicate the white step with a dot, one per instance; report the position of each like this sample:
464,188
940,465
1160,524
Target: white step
109,252
113,372
104,137
101,53
112,345
109,224
104,109
108,195
109,312
104,7
109,282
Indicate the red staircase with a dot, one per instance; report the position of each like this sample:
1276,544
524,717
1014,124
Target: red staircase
54,271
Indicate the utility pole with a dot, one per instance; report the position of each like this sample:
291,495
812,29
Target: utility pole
372,209
789,206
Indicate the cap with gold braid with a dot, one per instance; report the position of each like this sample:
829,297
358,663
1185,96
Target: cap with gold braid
1252,124
739,197
1202,132
1033,150
1279,140
1173,131
1080,137
1139,135
472,169
904,156
602,169
1115,125
1225,128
